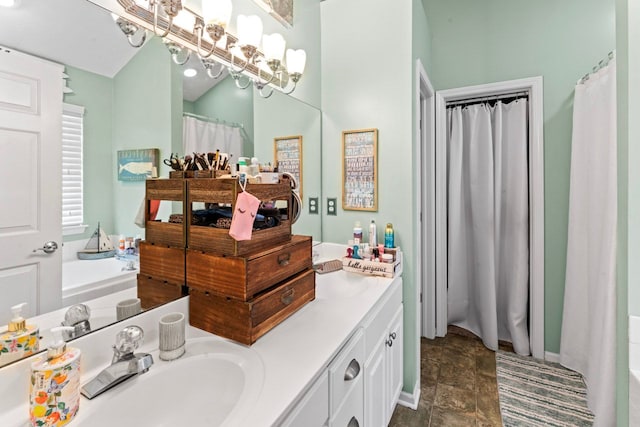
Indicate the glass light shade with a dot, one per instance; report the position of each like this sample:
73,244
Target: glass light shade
296,60
273,46
216,12
184,20
249,30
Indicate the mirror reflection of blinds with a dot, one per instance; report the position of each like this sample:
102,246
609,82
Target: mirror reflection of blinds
72,138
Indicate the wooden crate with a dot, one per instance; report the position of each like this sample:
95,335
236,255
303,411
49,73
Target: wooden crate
153,292
224,190
243,277
162,262
246,321
162,232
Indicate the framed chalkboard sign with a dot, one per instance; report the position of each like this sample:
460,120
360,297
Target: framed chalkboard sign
360,170
288,155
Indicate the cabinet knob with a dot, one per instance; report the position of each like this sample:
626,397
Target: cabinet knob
353,422
392,335
389,342
352,371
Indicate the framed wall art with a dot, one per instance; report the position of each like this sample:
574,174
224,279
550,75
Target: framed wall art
360,170
281,10
137,165
287,152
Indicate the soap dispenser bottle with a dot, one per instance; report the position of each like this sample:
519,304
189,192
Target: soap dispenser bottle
19,340
54,389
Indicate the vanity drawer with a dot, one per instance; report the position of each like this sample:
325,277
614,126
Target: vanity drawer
243,277
153,292
246,321
346,372
162,262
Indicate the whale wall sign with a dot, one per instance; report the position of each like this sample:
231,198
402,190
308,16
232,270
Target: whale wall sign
138,165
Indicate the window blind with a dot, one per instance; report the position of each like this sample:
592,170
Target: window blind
72,139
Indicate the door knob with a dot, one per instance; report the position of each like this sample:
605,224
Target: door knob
48,247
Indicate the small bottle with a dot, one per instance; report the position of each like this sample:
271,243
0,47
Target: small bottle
373,234
54,387
19,340
389,236
357,233
121,246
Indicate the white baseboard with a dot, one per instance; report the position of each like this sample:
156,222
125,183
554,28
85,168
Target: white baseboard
410,400
551,357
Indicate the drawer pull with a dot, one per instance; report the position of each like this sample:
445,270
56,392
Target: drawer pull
283,259
353,422
352,370
287,297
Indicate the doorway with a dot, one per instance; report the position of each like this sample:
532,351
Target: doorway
435,319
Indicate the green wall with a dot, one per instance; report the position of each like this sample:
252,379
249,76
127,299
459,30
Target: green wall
139,123
226,102
359,91
94,93
475,42
282,116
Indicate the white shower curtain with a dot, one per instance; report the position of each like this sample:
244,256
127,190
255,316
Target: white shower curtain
199,136
588,341
489,222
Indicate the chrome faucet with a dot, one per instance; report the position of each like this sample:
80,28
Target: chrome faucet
77,316
125,363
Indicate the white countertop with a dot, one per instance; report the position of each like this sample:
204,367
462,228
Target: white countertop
293,353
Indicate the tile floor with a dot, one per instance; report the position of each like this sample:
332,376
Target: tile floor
458,381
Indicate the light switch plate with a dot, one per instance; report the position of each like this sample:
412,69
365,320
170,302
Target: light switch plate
313,205
332,206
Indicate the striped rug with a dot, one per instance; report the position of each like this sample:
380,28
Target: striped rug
537,393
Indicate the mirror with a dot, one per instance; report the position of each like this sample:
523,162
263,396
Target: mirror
139,105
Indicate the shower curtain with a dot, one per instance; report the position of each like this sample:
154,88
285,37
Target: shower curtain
488,228
199,136
588,340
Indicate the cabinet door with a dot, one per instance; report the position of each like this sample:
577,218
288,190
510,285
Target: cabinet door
313,409
374,387
394,362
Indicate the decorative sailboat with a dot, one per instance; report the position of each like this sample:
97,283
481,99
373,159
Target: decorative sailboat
99,246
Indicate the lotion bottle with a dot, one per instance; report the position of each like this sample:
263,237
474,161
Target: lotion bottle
19,340
54,387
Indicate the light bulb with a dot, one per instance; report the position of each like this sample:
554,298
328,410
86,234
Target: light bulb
273,46
249,30
190,72
296,60
216,12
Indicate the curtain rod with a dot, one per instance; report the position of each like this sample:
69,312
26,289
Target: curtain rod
214,120
603,63
478,100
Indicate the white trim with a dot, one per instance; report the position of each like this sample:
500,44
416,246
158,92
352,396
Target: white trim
410,400
534,87
439,293
75,229
551,357
424,152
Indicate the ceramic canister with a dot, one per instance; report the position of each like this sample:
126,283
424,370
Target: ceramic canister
54,389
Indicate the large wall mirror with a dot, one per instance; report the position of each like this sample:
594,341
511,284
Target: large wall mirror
135,98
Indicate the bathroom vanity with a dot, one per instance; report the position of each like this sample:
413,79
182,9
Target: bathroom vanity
335,362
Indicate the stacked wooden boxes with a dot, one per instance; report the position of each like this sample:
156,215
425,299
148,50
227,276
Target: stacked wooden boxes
242,290
162,253
238,290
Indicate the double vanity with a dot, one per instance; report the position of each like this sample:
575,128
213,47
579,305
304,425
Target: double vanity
335,362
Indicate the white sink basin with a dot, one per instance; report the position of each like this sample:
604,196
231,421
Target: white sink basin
215,383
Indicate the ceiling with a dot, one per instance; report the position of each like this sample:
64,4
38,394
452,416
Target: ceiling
80,34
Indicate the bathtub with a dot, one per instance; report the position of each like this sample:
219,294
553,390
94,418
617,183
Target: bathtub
84,280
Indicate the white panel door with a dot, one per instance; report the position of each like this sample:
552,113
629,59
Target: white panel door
30,183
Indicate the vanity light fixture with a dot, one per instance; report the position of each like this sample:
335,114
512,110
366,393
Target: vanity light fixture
129,29
185,31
